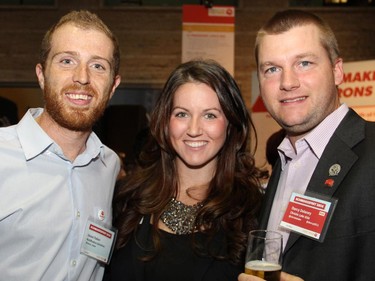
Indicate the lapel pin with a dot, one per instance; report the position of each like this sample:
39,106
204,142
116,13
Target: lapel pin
334,170
101,215
329,182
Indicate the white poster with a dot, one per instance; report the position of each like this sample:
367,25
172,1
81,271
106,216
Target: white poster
208,33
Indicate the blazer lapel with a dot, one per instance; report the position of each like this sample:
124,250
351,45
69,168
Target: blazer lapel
269,195
338,152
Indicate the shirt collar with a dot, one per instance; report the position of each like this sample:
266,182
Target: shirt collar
34,140
94,149
318,138
32,137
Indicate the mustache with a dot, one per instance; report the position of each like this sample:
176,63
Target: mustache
79,88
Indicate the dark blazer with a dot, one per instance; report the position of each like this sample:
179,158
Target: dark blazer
348,251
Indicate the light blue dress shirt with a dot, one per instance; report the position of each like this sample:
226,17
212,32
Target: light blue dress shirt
45,202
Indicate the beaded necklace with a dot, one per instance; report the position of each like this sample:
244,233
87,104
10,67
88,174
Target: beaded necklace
180,218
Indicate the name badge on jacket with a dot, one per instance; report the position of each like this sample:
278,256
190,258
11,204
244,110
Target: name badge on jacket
309,215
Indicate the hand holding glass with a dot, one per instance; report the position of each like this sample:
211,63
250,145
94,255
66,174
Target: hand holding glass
263,256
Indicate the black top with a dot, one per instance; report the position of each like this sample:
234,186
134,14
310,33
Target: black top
176,261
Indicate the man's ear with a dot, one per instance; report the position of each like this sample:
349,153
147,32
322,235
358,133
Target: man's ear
116,82
338,71
40,75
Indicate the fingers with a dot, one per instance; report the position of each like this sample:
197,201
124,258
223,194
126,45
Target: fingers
247,277
285,277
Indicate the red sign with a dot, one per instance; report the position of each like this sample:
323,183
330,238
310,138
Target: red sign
306,215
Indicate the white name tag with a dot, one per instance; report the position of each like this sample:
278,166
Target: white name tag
308,215
98,241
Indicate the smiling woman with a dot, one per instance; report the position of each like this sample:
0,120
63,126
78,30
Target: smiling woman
198,126
194,195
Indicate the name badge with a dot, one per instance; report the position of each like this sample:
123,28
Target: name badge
309,215
98,241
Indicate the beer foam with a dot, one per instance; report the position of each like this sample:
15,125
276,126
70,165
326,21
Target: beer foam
262,266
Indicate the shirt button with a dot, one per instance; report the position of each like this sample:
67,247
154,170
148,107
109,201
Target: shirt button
73,262
78,214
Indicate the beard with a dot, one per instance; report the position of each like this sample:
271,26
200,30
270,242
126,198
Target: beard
74,119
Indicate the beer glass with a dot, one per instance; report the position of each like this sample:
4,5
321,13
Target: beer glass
263,256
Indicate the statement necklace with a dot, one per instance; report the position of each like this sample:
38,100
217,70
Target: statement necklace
180,218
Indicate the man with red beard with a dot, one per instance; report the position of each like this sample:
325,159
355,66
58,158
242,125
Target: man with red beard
57,178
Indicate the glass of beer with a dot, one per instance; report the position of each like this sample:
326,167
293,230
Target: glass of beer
263,256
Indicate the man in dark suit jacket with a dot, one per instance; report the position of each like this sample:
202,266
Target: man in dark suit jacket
8,112
328,153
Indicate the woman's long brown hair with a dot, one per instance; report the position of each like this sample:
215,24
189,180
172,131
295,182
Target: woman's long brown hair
234,195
